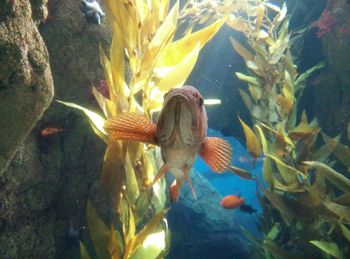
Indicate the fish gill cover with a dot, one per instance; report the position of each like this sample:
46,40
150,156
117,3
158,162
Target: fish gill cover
142,44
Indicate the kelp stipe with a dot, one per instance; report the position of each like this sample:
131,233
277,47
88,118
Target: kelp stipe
306,202
142,43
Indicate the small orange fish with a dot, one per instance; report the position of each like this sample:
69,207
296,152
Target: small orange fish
181,134
49,131
231,202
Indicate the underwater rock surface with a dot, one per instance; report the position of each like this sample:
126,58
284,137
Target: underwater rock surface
26,87
201,228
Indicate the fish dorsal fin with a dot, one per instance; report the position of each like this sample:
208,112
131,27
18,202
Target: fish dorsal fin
132,127
217,153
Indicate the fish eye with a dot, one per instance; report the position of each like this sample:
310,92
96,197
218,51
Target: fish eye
201,101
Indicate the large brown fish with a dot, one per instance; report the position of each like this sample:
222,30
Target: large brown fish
181,134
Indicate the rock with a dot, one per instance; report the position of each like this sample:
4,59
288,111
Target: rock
328,93
201,228
26,87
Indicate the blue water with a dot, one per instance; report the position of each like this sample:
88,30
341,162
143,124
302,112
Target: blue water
228,183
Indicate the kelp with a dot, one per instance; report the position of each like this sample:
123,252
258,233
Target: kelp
302,191
143,63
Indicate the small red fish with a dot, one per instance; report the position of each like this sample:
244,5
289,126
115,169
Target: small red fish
231,202
181,134
50,131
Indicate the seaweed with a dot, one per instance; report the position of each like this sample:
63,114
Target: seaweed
306,200
145,61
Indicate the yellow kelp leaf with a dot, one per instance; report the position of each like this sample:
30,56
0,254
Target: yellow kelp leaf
114,245
84,254
131,226
341,151
345,231
171,77
96,121
99,232
147,230
328,247
176,51
107,69
236,23
259,16
333,176
246,78
252,142
282,14
106,105
161,39
273,7
267,172
289,174
117,63
242,51
303,129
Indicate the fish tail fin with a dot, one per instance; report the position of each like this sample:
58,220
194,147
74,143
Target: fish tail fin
131,127
217,153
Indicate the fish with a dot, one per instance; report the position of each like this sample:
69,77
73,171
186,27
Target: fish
92,11
50,131
181,134
247,209
232,202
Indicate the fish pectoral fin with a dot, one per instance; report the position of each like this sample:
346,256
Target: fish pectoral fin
187,177
217,153
160,174
132,127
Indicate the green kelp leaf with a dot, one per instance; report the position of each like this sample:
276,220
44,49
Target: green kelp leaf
343,199
152,247
289,174
275,231
84,254
345,231
248,79
300,80
341,151
113,172
278,252
342,212
99,232
96,121
141,206
115,244
247,100
252,142
131,183
324,151
333,176
147,230
328,247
